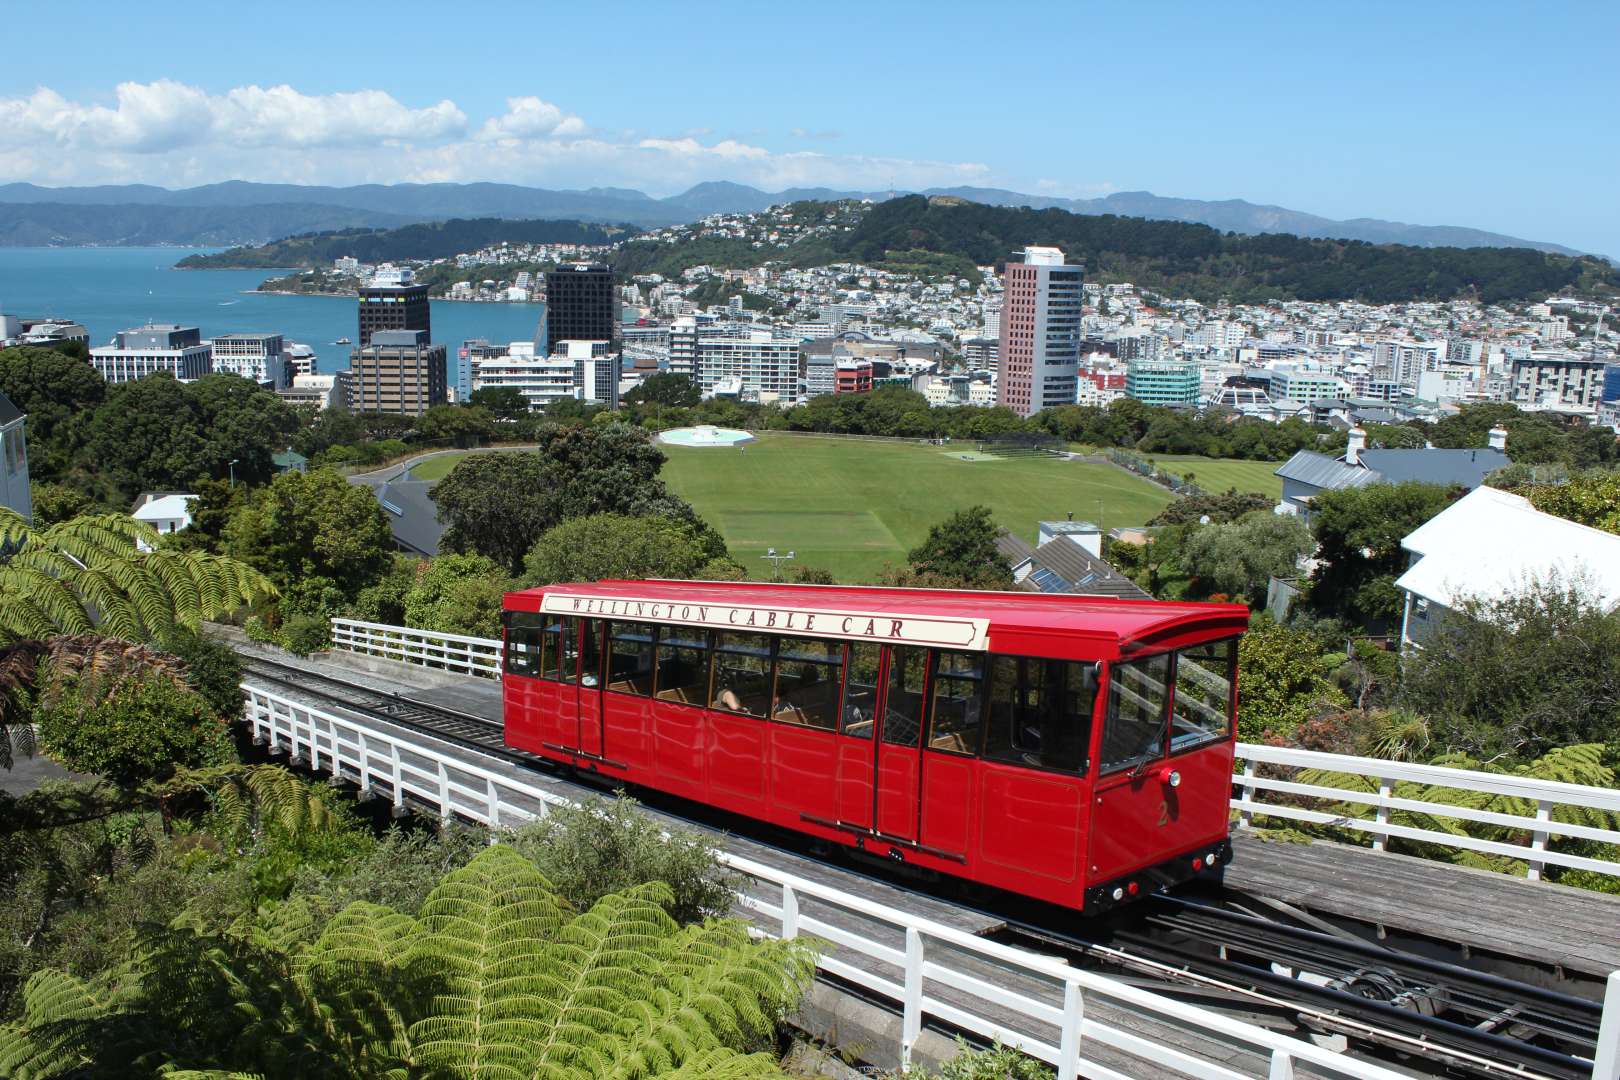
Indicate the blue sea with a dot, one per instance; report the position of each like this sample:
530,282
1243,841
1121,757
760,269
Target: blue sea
114,288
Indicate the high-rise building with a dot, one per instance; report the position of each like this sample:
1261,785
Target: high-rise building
259,357
1040,332
145,350
581,305
392,302
1163,382
400,371
761,366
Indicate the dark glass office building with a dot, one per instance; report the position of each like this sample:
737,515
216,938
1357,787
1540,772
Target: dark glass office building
581,305
393,307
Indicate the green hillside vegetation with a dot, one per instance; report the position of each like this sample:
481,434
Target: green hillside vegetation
1197,261
432,240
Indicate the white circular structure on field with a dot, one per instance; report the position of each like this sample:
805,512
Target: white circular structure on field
705,435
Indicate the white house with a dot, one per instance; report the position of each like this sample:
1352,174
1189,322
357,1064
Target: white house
165,511
1489,543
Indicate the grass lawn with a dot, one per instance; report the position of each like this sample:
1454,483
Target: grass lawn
1218,474
851,506
437,468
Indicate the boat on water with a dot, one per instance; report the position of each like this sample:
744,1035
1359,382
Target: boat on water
343,341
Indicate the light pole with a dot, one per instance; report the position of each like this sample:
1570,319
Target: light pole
232,467
776,562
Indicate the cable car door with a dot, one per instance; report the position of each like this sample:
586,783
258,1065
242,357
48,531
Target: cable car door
1136,807
897,775
587,665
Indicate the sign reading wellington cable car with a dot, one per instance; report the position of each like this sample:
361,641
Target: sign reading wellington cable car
895,628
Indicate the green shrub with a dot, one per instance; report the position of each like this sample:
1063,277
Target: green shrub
212,668
142,731
258,630
305,634
606,845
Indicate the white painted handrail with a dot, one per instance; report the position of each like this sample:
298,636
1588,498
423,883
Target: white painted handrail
1537,827
427,648
482,657
415,767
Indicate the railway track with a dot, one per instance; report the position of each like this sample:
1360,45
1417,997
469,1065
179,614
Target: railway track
1403,1006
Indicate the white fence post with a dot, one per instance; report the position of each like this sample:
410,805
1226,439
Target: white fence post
444,791
365,765
790,912
911,1015
1282,1065
1074,1018
1606,1062
1246,816
1538,840
397,778
1381,816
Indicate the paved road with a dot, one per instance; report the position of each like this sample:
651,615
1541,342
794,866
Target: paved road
400,468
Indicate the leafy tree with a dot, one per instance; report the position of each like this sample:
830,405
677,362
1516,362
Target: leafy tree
141,731
90,573
1395,437
498,505
665,388
602,846
59,393
1521,673
458,425
1192,509
383,601
1239,559
1358,533
147,435
1285,679
614,546
55,503
496,969
241,422
313,525
215,503
1592,499
961,550
326,429
213,669
501,402
457,594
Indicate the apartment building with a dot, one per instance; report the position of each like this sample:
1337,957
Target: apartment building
259,357
146,350
1040,331
400,371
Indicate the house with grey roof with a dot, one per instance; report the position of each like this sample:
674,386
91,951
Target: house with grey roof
1066,561
14,459
1307,474
412,514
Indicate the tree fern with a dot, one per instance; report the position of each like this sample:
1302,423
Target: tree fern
248,795
104,571
495,978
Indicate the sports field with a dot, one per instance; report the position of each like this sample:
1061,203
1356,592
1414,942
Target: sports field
851,506
1219,474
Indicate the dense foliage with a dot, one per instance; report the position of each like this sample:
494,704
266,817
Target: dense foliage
960,552
1359,532
429,240
1195,260
312,533
615,546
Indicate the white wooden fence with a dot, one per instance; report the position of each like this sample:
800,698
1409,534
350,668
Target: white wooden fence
414,767
427,648
1543,799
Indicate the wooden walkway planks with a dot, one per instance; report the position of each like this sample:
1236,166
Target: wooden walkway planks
1533,920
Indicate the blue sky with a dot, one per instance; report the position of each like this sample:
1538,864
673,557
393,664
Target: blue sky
1497,116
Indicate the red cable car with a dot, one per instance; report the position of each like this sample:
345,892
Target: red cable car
1074,749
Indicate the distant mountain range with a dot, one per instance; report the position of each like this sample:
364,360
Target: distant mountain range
242,212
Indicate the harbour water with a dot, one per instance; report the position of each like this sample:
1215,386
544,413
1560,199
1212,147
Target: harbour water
110,289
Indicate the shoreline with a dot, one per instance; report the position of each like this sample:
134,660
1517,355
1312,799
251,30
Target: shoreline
351,296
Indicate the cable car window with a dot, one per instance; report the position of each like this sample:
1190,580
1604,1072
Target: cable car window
1138,703
683,665
809,673
590,653
1040,712
551,650
523,651
958,698
1202,711
861,689
630,658
903,701
742,674
569,637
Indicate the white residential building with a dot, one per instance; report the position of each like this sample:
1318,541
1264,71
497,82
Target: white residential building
14,491
1490,543
763,364
166,511
146,350
259,357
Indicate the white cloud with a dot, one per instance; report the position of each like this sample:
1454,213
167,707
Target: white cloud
176,135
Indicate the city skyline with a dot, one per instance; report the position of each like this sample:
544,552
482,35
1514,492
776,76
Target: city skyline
1431,116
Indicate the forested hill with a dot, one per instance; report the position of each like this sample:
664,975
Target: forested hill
1197,261
430,240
